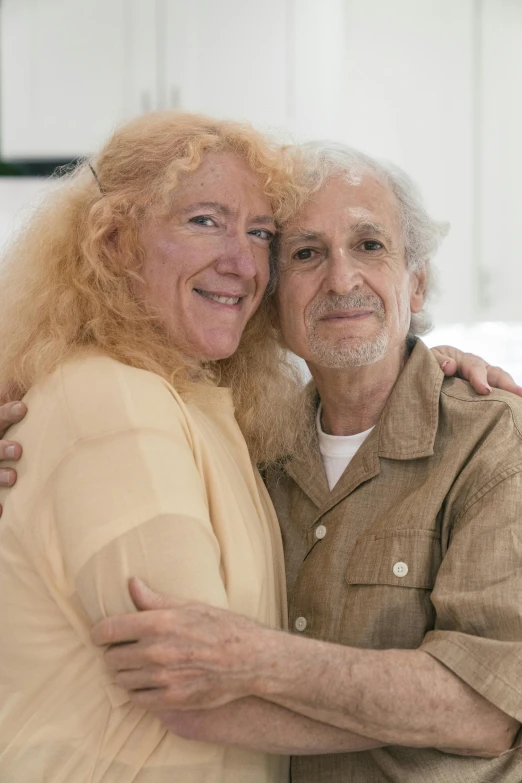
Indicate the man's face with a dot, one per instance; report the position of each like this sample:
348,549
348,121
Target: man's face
345,297
206,264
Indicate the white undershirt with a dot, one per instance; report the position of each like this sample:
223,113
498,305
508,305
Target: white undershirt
337,451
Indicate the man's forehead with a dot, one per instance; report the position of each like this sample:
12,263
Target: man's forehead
366,201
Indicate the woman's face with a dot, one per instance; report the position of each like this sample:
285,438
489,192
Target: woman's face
206,264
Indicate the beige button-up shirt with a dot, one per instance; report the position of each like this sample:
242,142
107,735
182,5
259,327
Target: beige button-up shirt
419,545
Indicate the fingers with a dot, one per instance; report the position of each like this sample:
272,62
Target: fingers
465,365
145,598
131,627
127,657
11,413
475,370
9,449
138,679
7,477
482,376
449,366
501,379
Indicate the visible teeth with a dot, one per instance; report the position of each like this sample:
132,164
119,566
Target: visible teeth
230,300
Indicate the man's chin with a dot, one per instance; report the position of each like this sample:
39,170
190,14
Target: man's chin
349,352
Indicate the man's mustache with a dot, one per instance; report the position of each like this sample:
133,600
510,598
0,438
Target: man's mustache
351,301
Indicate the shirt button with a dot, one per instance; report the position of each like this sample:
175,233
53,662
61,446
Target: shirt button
300,624
320,531
400,569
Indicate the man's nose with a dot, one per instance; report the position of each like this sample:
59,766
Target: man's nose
342,273
238,258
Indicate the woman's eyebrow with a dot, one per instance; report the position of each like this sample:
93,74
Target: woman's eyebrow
226,211
214,206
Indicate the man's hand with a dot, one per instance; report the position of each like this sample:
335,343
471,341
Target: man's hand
188,656
481,375
10,413
184,655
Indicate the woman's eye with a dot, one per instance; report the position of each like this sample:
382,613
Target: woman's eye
263,233
371,245
203,220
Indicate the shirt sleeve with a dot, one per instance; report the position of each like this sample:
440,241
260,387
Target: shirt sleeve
478,595
132,502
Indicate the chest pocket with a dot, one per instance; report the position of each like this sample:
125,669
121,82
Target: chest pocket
402,558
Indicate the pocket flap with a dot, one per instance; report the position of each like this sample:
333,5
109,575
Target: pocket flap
406,558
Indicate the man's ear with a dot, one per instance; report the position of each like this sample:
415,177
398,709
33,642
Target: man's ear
418,289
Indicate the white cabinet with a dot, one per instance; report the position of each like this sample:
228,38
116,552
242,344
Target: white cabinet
71,70
227,59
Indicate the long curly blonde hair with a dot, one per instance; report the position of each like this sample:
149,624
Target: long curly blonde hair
66,279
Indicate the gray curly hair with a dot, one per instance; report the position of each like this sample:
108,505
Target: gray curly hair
320,160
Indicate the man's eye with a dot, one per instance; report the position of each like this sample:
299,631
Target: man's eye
263,233
203,220
305,254
371,245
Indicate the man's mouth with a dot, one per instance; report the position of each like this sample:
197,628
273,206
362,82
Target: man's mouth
351,314
221,298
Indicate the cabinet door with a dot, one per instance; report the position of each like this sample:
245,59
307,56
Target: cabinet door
70,73
227,58
500,161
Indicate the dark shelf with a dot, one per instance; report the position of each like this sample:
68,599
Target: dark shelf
33,168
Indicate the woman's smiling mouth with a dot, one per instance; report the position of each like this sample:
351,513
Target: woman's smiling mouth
221,298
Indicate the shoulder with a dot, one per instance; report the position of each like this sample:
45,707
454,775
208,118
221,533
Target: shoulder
101,395
499,410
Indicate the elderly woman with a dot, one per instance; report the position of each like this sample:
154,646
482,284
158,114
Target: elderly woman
121,304
124,323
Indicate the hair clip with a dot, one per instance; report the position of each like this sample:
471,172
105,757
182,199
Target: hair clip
95,177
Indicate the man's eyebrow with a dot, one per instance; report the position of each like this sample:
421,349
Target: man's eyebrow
365,226
222,209
303,235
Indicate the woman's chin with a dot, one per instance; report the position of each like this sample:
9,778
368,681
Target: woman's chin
216,350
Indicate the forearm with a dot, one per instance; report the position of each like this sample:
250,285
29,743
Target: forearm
400,697
260,725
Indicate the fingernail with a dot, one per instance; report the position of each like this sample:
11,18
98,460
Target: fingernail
10,452
18,409
6,478
488,387
444,364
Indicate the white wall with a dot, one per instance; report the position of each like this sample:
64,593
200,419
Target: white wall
18,197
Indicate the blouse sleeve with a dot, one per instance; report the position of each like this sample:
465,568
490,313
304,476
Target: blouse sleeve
130,500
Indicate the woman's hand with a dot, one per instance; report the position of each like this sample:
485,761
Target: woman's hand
481,375
9,450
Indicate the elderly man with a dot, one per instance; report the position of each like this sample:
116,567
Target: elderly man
401,522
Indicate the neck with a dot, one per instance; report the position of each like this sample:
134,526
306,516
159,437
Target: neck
354,398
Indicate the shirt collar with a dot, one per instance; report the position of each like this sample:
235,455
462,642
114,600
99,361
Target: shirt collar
408,424
406,430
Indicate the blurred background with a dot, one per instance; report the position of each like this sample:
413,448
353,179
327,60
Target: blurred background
433,85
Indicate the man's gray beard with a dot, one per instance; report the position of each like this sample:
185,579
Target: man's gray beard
348,351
